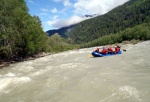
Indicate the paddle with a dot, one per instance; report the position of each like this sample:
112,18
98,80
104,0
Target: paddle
89,55
124,50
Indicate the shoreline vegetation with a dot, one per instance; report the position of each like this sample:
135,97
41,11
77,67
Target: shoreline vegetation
5,64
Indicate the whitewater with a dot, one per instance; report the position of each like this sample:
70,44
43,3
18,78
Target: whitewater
74,76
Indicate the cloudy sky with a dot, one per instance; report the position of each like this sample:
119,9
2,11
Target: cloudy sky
55,14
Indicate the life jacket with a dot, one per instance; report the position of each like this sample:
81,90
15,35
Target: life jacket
117,49
104,51
110,50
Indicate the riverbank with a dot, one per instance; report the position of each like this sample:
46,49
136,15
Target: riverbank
4,64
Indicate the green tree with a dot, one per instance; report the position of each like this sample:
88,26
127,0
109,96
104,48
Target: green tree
20,33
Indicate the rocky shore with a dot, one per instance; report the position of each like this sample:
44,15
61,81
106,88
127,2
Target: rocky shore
4,64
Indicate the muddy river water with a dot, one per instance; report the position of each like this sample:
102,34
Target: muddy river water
73,76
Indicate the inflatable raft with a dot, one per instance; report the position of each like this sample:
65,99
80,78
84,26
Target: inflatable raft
97,54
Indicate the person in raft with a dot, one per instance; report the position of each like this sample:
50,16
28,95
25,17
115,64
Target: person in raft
97,50
117,49
110,50
104,51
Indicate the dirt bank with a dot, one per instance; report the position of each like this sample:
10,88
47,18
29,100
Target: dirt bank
4,64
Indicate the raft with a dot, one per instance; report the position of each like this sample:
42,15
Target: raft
97,54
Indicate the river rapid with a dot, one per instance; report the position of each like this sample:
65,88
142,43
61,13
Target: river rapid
74,76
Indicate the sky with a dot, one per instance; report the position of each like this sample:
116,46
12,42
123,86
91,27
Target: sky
55,14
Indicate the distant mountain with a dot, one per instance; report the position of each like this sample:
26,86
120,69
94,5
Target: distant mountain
94,15
63,32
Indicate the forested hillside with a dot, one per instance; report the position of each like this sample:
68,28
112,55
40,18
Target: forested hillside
21,34
130,14
63,32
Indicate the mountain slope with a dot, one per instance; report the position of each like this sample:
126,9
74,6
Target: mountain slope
63,32
130,14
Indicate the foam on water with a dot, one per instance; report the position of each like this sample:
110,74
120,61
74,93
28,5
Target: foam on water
10,79
123,93
4,83
70,66
23,79
129,92
40,72
10,75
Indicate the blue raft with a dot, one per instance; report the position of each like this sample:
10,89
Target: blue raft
97,54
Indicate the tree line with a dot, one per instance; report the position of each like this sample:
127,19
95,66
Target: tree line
139,33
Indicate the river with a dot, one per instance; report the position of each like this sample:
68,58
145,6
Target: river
73,76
